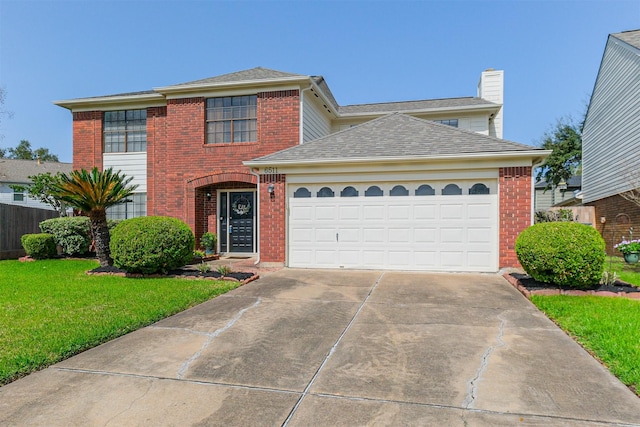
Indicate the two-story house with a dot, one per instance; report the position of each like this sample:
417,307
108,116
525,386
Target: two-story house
611,137
271,162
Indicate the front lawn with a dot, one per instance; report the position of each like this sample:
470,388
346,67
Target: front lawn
629,273
608,328
51,310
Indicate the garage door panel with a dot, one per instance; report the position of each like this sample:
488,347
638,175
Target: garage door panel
425,235
452,211
349,235
349,213
326,212
438,233
373,212
399,212
325,235
400,235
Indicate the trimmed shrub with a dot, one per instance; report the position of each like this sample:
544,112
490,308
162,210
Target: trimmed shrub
73,233
564,253
151,244
39,246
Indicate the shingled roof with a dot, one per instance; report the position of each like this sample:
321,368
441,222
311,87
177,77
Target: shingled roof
19,171
630,37
257,73
392,136
427,104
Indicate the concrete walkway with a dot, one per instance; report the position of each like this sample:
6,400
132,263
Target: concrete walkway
332,348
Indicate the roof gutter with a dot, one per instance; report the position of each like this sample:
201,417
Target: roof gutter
537,155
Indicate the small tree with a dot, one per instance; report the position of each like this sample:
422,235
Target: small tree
565,139
92,193
42,189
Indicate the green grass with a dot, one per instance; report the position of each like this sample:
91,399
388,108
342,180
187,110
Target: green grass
629,273
51,310
609,328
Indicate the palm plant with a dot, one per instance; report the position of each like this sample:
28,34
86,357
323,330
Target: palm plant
92,193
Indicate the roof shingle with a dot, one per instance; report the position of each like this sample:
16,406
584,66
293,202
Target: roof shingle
631,37
392,136
19,171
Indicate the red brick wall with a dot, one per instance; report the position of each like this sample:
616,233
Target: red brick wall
616,225
272,219
189,163
156,156
515,210
87,140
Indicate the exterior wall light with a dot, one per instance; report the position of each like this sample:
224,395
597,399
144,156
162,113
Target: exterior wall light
271,189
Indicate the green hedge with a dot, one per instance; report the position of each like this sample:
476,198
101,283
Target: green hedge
151,244
39,246
564,253
73,233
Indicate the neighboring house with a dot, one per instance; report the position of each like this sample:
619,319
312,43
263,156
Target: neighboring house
611,135
17,172
567,194
362,186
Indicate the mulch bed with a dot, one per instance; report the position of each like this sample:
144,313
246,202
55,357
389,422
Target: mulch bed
529,286
181,272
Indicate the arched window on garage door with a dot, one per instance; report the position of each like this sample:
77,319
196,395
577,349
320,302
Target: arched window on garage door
325,192
373,191
425,190
399,190
451,190
479,189
349,192
301,193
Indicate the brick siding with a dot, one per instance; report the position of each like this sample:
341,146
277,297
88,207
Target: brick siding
515,210
87,140
272,219
616,226
181,167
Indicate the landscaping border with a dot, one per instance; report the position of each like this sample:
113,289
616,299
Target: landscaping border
573,292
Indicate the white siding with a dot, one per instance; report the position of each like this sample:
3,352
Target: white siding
611,137
131,164
315,124
491,88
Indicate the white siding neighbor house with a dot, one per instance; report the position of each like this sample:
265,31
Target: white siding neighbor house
611,135
17,172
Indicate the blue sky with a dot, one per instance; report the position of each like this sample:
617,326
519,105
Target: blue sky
369,51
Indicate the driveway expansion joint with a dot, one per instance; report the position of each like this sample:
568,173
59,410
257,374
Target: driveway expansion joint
331,351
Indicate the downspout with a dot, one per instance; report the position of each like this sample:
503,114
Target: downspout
251,171
533,190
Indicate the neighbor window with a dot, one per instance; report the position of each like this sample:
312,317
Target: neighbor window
18,196
125,131
136,205
450,122
232,119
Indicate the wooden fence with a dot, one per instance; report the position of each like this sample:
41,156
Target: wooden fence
16,221
582,214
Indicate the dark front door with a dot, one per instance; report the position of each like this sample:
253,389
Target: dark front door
241,207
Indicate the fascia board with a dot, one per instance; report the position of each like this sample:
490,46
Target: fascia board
203,87
112,102
503,159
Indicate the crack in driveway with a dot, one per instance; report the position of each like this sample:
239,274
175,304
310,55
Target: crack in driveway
210,336
472,385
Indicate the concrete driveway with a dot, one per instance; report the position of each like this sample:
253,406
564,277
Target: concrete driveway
331,348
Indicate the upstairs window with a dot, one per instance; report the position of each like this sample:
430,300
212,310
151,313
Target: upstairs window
448,122
125,131
232,119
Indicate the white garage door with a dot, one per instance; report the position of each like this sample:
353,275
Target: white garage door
436,233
